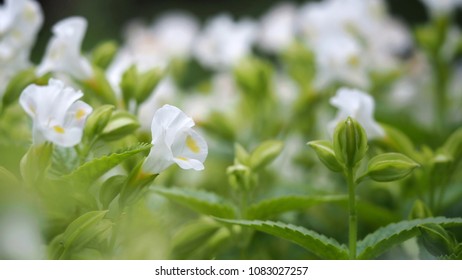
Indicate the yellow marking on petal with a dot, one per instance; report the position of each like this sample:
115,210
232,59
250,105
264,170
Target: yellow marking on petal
192,145
182,158
59,129
80,114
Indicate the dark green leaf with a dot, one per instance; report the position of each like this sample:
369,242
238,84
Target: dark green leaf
318,244
384,238
273,206
200,201
92,170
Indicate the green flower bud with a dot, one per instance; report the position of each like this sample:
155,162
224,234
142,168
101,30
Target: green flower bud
35,163
98,120
325,152
390,167
420,211
99,86
104,53
437,240
147,82
350,142
241,177
265,153
120,125
16,85
128,84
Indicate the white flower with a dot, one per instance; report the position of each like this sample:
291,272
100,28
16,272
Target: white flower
147,47
224,42
277,28
63,50
174,141
441,7
358,105
58,116
20,21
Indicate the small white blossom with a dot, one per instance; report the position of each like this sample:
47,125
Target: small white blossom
277,28
358,105
224,42
63,52
441,7
174,141
154,46
58,116
20,21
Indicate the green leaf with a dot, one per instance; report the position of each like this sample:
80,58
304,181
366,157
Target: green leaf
200,201
90,171
318,244
399,142
386,237
453,145
121,124
273,206
110,189
79,233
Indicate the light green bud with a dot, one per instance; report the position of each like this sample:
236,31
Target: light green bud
265,153
98,120
104,53
390,167
147,82
350,142
420,211
325,152
120,125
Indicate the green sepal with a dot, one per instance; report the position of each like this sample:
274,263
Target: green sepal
265,153
120,125
325,152
103,54
390,167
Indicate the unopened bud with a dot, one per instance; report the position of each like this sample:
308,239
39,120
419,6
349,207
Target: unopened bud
350,142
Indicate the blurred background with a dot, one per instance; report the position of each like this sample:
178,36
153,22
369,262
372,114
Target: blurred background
117,13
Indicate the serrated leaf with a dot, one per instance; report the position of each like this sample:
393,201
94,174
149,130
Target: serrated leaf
90,171
273,206
200,201
318,244
384,238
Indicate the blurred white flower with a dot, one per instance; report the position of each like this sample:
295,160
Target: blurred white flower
343,35
224,42
147,47
174,141
20,236
58,116
358,105
340,58
441,7
63,52
20,21
277,28
164,93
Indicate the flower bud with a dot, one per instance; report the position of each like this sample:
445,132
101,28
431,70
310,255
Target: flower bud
98,120
390,167
104,53
265,153
121,124
350,142
437,240
420,211
325,152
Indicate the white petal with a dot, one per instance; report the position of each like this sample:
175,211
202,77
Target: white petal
190,145
189,163
160,157
66,137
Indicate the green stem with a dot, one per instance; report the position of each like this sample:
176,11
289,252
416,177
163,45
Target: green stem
353,220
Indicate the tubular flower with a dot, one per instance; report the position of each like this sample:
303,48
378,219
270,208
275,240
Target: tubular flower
174,141
63,50
358,105
58,116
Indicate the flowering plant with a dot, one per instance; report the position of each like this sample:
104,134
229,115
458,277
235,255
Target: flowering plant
329,130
